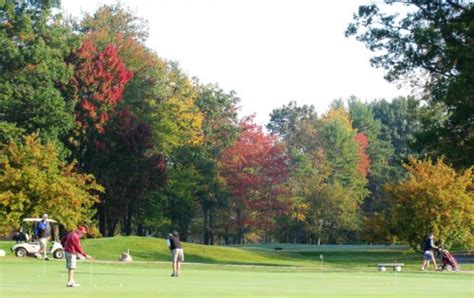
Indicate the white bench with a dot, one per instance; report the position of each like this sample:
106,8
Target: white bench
396,266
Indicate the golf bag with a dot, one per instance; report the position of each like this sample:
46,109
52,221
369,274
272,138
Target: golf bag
447,259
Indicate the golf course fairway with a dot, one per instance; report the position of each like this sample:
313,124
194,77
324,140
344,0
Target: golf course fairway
36,278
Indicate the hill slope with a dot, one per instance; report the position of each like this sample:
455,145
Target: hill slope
334,257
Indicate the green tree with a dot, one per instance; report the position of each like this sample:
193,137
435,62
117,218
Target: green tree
342,150
34,180
33,46
186,183
124,162
433,40
379,150
297,126
401,125
10,132
220,129
287,122
345,185
333,214
434,198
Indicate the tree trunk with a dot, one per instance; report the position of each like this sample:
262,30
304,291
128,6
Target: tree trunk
102,220
140,230
211,233
240,228
111,228
128,221
208,237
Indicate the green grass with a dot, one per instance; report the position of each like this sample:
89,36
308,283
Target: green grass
209,271
35,278
335,257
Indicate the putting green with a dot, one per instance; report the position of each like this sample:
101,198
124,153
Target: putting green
36,278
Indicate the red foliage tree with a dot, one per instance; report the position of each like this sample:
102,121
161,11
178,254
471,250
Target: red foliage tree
97,85
364,159
255,170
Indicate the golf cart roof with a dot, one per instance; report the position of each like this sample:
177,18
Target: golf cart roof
37,220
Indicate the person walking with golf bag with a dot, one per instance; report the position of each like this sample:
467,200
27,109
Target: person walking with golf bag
43,232
177,253
72,246
429,248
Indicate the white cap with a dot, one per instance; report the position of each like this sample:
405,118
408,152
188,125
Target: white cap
45,216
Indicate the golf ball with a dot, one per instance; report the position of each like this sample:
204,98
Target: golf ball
38,275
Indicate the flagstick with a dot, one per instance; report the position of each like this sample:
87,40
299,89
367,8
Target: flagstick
321,257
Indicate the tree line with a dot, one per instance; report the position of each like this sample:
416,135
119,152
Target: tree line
97,128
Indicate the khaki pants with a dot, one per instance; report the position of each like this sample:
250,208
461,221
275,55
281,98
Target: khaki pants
43,242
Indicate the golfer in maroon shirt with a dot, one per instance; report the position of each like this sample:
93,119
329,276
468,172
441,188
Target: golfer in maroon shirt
72,247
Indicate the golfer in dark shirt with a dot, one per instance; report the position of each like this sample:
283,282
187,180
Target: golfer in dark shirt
428,255
43,232
177,254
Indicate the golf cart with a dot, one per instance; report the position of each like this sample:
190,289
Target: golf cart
32,247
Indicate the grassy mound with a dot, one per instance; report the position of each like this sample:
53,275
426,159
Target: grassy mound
307,257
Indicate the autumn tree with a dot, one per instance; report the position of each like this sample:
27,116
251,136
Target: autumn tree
161,97
159,93
327,172
254,172
434,198
34,180
96,87
110,21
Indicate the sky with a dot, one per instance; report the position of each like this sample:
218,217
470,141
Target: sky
269,51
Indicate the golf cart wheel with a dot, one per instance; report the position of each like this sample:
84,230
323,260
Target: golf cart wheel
58,254
20,252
